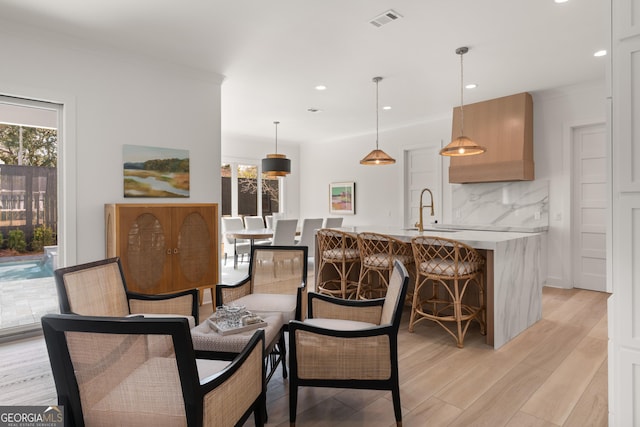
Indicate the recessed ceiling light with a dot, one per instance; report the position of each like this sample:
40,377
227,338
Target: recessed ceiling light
321,87
600,53
387,107
560,1
471,86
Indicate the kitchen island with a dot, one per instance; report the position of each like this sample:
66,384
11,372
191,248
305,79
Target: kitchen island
515,272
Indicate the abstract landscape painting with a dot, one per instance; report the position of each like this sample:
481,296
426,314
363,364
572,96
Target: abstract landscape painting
342,197
155,172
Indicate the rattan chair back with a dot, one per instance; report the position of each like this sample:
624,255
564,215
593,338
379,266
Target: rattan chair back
455,272
93,289
339,259
99,288
378,252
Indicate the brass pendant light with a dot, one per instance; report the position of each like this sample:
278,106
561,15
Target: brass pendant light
462,145
377,156
275,165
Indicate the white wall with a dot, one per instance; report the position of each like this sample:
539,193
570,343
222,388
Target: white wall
555,112
112,99
379,189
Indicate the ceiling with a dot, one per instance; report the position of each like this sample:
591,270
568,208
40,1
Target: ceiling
273,53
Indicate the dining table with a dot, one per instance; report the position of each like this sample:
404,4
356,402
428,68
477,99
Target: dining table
248,234
251,235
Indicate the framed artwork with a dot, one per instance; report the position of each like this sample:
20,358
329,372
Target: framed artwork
155,172
342,198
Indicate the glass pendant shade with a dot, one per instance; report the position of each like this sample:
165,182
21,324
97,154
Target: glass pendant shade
462,145
377,156
275,165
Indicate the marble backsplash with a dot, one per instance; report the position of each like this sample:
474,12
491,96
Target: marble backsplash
510,205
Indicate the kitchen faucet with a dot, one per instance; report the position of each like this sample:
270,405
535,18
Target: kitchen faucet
420,224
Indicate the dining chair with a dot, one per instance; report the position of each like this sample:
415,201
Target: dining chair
349,344
332,222
308,234
233,247
276,283
284,233
268,219
253,223
104,375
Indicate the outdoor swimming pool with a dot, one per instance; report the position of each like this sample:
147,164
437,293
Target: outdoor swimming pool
25,270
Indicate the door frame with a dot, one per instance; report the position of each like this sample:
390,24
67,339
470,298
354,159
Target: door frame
67,163
439,187
569,246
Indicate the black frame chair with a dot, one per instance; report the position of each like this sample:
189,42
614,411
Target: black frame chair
143,300
227,293
363,311
56,326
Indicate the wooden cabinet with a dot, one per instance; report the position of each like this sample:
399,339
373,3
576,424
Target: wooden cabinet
164,247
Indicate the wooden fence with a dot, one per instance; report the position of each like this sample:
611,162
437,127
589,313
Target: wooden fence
28,199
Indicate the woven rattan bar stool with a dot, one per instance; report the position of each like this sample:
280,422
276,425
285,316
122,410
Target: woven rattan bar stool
377,255
449,285
339,257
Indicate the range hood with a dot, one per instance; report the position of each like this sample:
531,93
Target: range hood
503,125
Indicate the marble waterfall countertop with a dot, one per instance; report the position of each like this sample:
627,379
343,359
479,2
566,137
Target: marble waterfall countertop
476,238
515,273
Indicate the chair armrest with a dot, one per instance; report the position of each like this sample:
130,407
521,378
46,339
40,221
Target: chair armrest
184,303
241,382
327,307
225,293
372,331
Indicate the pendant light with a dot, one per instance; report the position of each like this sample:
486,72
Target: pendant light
377,156
462,145
275,165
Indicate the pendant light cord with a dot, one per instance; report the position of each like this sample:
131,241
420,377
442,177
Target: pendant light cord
377,79
276,123
461,94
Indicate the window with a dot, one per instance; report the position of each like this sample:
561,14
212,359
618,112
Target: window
240,186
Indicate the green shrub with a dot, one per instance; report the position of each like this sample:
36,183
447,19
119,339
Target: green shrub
16,240
42,236
1,240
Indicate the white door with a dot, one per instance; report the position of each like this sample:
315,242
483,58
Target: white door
589,190
422,170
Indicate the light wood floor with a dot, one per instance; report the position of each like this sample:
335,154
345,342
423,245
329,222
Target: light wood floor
553,374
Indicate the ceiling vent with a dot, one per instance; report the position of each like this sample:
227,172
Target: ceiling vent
389,16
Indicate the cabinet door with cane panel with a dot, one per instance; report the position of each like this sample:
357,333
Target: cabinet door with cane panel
164,247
